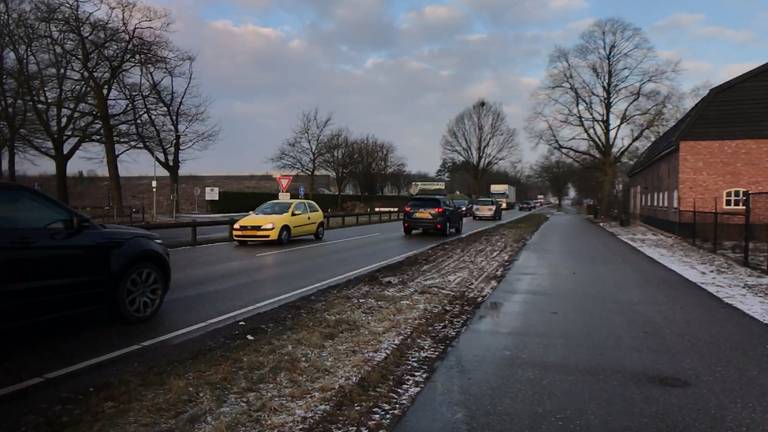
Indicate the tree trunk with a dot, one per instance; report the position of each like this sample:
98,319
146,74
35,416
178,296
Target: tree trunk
12,160
110,151
606,190
62,191
174,178
1,163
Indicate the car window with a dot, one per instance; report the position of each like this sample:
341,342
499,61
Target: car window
485,202
422,203
273,208
460,202
313,208
448,203
20,209
300,207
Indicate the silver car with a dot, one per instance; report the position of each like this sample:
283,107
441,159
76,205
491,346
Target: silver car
486,208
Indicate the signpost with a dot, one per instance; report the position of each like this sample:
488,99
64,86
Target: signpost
196,191
301,191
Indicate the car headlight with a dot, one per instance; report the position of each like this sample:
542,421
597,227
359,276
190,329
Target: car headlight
268,226
158,241
236,226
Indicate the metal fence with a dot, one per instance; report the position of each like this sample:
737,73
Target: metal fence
739,234
190,233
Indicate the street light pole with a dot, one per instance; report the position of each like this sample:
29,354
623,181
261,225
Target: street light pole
154,191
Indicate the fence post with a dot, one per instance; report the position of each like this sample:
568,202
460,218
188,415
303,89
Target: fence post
747,211
357,219
230,230
194,234
714,234
379,217
693,235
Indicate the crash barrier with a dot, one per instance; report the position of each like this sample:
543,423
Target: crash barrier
740,233
191,235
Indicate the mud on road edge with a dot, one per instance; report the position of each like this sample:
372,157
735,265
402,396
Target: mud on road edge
242,377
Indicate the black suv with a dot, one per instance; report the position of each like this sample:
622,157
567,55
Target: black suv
55,261
429,213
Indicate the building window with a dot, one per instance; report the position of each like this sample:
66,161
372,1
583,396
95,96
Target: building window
666,199
674,198
734,198
655,199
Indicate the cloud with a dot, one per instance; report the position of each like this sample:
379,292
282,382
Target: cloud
693,24
735,69
433,23
520,11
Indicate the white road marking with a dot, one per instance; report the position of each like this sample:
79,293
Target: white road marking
265,305
325,243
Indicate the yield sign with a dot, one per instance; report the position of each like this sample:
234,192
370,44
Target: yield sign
284,182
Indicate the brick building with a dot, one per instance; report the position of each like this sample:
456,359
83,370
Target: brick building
718,150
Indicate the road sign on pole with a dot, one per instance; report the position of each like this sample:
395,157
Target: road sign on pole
211,194
284,182
301,191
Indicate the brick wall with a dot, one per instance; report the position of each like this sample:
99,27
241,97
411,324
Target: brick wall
708,168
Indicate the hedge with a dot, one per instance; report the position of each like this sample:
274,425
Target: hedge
240,202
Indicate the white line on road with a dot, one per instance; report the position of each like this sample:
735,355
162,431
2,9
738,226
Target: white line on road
260,307
316,245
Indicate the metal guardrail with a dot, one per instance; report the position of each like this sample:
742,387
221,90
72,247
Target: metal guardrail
332,221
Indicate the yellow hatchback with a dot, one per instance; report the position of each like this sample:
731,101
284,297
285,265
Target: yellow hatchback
280,221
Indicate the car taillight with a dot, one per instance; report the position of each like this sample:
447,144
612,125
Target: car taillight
440,210
407,208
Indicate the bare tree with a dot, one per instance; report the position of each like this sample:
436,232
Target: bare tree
170,116
108,38
13,106
338,159
375,162
557,172
303,151
56,99
480,138
602,97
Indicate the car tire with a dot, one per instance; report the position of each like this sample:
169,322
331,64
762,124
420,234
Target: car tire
474,217
140,292
459,227
241,242
284,236
320,232
407,231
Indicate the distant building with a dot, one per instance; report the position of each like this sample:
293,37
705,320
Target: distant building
710,157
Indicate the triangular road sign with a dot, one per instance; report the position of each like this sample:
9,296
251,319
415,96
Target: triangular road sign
284,182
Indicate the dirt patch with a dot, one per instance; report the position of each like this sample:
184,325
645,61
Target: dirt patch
348,358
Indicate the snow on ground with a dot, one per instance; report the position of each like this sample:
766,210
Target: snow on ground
739,286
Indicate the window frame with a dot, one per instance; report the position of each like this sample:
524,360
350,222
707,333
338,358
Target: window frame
732,199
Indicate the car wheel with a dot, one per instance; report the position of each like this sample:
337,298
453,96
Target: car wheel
320,232
140,292
474,217
241,242
407,230
459,227
284,236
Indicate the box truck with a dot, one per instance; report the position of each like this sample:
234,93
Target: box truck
504,194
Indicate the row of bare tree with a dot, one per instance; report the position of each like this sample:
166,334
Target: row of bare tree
317,146
78,74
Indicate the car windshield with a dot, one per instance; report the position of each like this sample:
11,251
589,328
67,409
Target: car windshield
273,208
461,202
422,203
485,202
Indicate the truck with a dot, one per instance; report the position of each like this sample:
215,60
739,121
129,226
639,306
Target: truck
428,188
504,194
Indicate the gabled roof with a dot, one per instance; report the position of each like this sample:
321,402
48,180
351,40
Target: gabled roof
735,109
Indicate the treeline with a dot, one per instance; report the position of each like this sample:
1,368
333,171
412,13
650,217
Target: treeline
361,161
101,75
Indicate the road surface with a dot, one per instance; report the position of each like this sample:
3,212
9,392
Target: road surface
210,282
588,334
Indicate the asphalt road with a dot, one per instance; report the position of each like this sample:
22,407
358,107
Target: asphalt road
588,334
210,282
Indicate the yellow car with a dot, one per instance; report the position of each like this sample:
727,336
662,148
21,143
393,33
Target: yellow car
280,221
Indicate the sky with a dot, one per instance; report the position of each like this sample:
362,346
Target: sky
402,69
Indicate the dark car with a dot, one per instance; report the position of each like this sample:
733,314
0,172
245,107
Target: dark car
432,213
55,261
464,206
526,206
